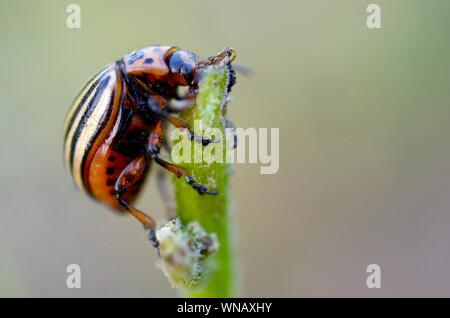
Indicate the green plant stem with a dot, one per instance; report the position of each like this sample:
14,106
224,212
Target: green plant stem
210,211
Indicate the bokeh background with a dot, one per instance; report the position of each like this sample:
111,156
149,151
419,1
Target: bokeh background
364,154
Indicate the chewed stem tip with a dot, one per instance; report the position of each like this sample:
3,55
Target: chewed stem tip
227,55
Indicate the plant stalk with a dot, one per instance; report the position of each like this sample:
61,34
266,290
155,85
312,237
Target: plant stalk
212,212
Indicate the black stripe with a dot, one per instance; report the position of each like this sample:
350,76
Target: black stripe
103,121
80,105
87,114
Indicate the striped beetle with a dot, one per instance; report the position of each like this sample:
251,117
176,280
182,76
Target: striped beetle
115,128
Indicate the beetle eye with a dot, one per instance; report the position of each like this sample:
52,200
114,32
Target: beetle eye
186,69
183,63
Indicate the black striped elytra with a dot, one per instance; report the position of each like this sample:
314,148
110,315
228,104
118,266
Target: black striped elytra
115,127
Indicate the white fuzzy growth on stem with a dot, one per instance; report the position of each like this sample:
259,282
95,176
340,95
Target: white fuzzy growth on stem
183,251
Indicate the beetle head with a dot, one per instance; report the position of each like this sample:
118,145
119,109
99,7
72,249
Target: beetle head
183,66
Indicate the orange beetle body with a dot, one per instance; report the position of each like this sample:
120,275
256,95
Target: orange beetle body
114,129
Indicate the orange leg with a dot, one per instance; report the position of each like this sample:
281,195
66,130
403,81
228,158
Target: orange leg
155,142
156,107
127,179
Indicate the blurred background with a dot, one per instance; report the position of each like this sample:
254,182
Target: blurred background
364,154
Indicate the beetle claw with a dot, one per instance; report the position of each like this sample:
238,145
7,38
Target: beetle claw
204,140
200,188
152,238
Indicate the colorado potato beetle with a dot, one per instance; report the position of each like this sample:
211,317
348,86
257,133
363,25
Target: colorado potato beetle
115,128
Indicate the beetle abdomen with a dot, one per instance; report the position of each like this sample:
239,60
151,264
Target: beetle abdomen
90,122
105,168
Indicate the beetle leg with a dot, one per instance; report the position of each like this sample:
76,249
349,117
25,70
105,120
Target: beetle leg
155,107
165,142
181,172
129,177
157,141
154,146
